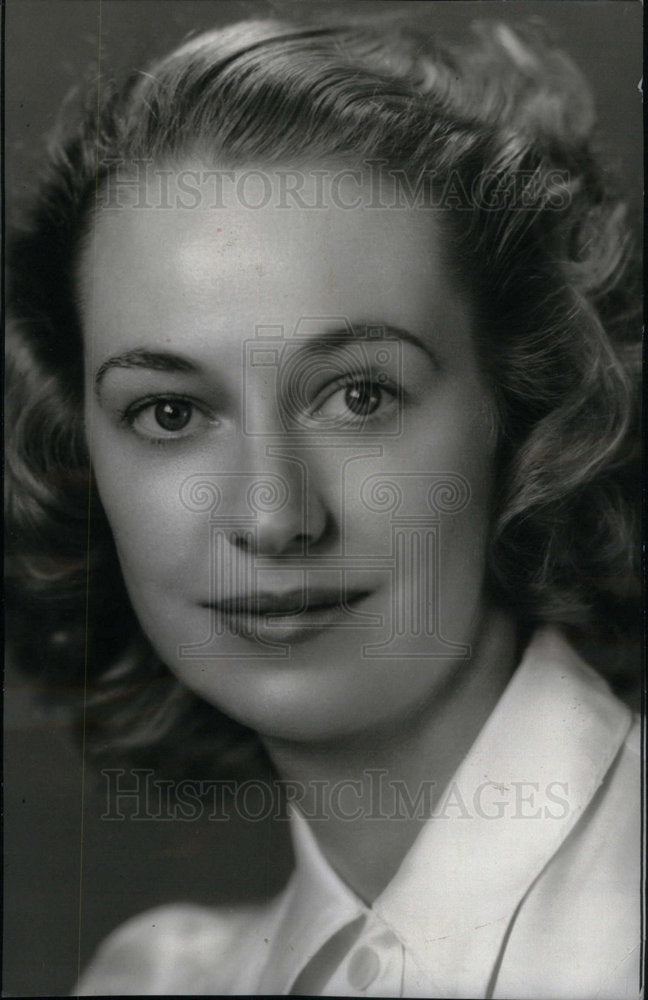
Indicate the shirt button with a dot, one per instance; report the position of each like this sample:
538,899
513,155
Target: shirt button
364,966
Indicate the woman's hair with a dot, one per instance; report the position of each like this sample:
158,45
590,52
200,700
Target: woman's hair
500,129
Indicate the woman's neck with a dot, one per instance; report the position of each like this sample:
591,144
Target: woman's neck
367,797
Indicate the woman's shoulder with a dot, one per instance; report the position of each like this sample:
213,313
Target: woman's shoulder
178,949
581,921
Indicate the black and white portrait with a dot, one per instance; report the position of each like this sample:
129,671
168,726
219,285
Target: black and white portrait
323,342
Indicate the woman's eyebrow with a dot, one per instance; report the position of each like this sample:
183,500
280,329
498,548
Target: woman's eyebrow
369,331
167,361
164,361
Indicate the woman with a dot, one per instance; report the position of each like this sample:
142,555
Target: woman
321,426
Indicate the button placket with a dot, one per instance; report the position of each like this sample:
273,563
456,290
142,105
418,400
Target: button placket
363,968
373,966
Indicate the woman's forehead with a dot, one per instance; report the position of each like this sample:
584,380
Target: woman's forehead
188,258
351,200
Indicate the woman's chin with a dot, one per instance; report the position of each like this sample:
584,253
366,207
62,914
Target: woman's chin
318,698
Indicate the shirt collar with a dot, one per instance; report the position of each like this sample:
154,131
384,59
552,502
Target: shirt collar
316,904
556,728
543,753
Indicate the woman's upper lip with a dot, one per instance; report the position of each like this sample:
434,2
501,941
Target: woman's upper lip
291,601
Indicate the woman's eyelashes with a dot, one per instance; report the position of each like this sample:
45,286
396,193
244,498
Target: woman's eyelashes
167,418
352,401
355,400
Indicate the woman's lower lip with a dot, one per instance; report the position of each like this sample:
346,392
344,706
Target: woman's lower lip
283,628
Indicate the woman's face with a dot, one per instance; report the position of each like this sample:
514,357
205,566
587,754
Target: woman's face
294,447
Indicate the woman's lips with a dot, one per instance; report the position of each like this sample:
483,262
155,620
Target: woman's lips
295,616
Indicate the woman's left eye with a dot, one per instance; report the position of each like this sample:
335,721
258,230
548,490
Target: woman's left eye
357,400
166,418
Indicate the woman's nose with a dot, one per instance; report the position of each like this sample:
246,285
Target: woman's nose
289,514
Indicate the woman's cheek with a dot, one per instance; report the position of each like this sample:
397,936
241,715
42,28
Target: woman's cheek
154,531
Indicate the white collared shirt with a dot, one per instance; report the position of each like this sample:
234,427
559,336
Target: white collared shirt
524,883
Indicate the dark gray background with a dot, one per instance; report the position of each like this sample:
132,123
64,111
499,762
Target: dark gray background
69,876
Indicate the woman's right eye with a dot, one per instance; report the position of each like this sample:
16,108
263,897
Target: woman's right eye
167,419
